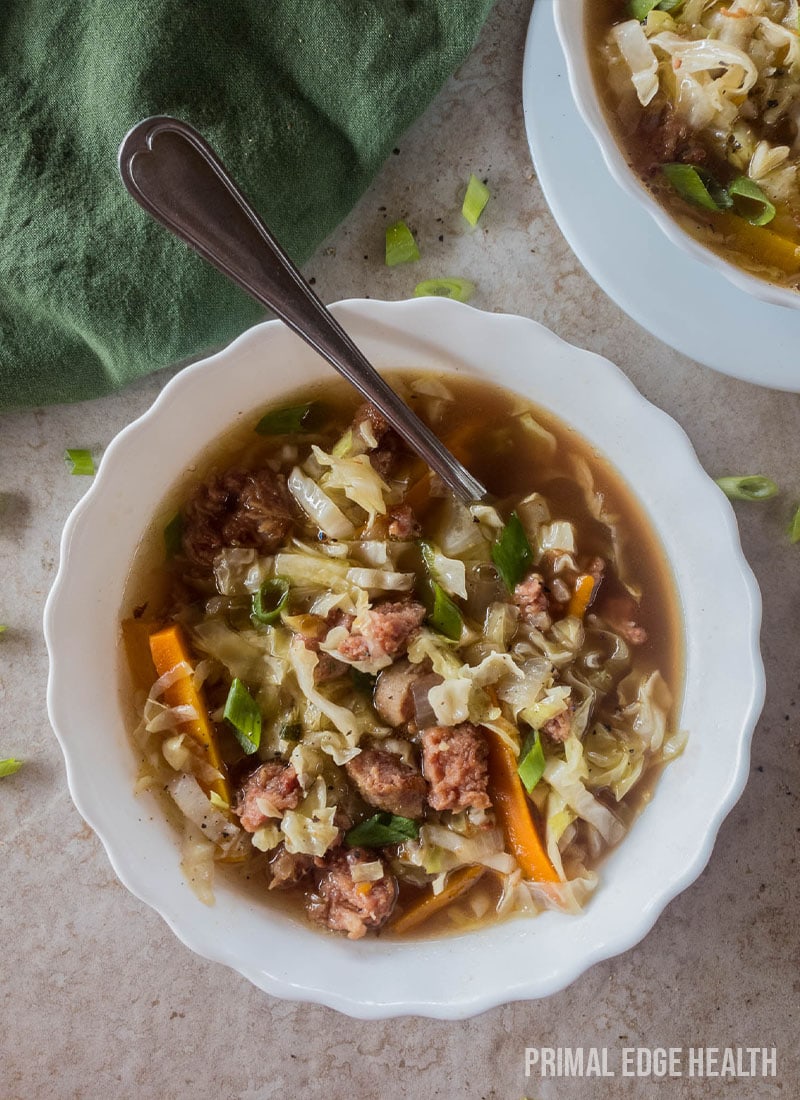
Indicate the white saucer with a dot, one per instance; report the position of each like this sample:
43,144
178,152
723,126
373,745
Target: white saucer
672,295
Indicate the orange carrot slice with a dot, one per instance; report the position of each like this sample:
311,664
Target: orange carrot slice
458,882
582,596
513,812
169,648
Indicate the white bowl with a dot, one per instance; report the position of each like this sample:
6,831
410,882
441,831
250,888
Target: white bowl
668,845
571,28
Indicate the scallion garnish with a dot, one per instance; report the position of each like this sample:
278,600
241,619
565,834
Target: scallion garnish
460,290
640,9
475,200
242,712
531,761
173,536
750,202
697,187
290,730
512,554
284,421
9,766
3,628
271,598
401,248
381,829
79,461
794,526
444,615
748,487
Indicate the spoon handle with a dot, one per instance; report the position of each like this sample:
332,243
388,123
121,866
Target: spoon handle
172,172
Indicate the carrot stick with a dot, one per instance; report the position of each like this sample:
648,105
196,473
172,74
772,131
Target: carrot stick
458,882
136,639
513,812
762,244
169,648
419,493
582,596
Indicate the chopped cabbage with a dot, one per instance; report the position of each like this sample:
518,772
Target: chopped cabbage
638,54
567,778
450,573
648,710
319,507
309,830
357,478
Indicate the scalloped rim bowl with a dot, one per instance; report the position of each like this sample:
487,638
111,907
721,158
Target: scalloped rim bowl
464,974
571,28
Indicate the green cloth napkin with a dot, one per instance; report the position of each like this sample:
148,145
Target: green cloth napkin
303,99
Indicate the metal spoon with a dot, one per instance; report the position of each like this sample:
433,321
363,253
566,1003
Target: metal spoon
176,176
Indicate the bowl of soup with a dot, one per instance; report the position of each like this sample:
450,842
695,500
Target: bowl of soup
371,746
696,109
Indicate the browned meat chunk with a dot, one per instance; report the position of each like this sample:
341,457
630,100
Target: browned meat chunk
328,668
352,907
668,139
618,613
403,524
558,729
355,648
396,688
454,761
237,508
315,630
377,421
276,787
387,783
631,632
530,596
386,631
390,448
288,868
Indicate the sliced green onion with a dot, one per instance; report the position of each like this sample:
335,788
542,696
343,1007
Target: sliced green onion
284,421
241,710
290,731
512,553
475,200
401,248
748,487
9,766
640,9
444,615
3,628
173,536
794,526
697,187
752,205
271,598
531,761
380,830
362,681
79,461
460,290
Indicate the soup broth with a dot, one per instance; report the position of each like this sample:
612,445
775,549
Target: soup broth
408,679
705,102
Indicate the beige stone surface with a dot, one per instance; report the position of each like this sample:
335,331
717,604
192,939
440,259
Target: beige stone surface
100,1000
